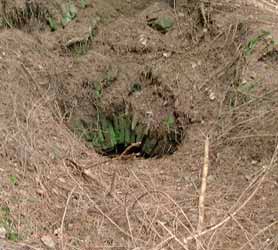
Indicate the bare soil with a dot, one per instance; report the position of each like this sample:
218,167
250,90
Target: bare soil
216,68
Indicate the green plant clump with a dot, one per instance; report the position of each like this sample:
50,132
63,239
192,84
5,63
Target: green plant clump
251,45
6,222
70,12
162,24
113,134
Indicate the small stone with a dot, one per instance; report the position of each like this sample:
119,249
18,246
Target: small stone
87,239
57,231
167,54
149,113
253,75
212,96
70,226
143,40
248,177
62,180
40,192
48,241
3,233
193,65
94,22
181,14
244,81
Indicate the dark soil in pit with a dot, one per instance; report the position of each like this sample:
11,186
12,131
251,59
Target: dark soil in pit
145,83
125,117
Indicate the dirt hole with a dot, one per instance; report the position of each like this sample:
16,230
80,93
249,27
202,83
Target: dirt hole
137,118
123,133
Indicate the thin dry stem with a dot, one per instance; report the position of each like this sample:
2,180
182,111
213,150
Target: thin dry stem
228,217
245,232
203,12
100,210
179,209
163,243
259,233
138,201
203,190
63,220
129,226
174,236
257,180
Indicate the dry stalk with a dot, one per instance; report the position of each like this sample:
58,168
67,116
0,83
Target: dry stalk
211,244
100,210
256,180
211,229
138,201
173,236
245,232
154,218
203,12
165,195
112,185
129,226
63,219
87,173
163,243
179,208
259,233
203,191
108,218
35,83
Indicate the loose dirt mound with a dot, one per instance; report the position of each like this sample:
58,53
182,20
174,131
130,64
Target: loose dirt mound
73,71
